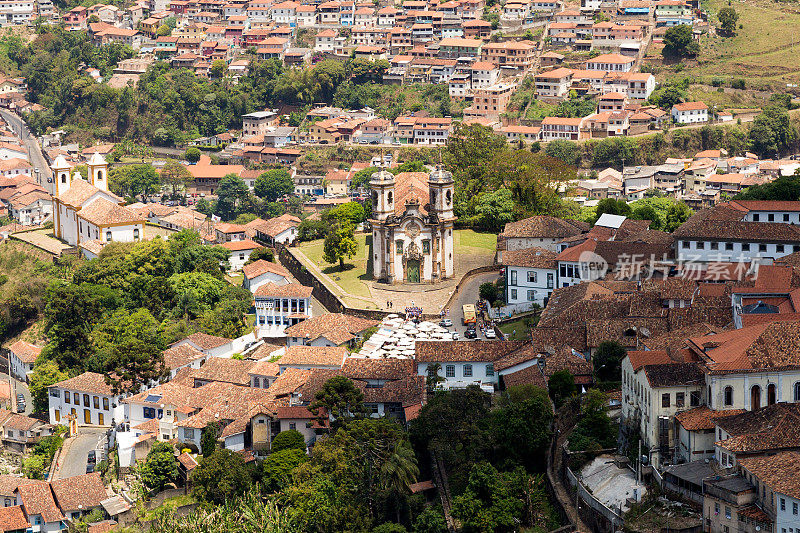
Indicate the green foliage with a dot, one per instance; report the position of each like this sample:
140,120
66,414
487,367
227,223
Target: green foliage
728,17
520,425
389,527
612,207
34,466
340,243
594,430
192,154
783,188
311,229
339,398
274,184
607,360
494,210
175,176
351,213
133,180
488,292
287,440
267,254
677,214
566,151
220,477
678,42
208,439
231,194
488,503
160,467
430,521
561,386
276,472
45,373
772,132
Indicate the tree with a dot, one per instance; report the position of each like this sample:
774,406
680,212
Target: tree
267,254
276,472
488,292
520,426
679,42
340,243
566,151
561,386
594,430
163,31
495,209
351,213
288,440
399,471
607,360
274,184
192,154
430,521
612,207
646,212
433,378
208,439
488,503
218,68
231,193
772,131
339,398
176,176
728,17
45,373
220,477
160,467
132,350
677,214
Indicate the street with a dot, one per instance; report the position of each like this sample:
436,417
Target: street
468,295
72,461
19,387
35,155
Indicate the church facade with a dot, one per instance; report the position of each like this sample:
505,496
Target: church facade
412,226
86,213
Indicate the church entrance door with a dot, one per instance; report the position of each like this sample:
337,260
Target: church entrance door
412,270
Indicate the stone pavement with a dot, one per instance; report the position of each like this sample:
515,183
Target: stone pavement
44,240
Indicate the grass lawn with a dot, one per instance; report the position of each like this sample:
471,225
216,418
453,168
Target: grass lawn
169,506
356,270
466,240
763,51
235,278
516,325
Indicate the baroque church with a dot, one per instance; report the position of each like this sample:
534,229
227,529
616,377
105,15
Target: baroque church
85,213
412,226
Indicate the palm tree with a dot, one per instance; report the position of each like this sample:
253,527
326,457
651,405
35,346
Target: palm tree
399,471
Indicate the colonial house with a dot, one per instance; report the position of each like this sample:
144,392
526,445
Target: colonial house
330,329
262,271
280,306
530,275
21,358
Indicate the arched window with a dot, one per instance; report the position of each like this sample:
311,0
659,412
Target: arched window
136,234
108,236
729,395
99,175
797,391
63,178
771,394
449,196
389,198
755,398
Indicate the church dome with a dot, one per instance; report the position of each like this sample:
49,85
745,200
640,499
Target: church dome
440,175
382,176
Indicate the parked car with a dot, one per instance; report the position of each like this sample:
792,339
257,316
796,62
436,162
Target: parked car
446,323
456,336
471,334
89,468
92,457
490,334
20,402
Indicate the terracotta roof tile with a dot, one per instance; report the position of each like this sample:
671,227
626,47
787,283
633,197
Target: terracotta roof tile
38,500
484,351
780,472
313,356
79,492
702,418
289,290
87,382
13,519
182,355
225,370
368,368
336,327
26,351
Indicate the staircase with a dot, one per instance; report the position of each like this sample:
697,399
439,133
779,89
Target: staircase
440,477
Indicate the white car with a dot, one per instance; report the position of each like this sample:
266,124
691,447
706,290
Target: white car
490,334
446,323
456,336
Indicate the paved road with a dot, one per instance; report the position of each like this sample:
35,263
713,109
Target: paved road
19,387
35,155
468,295
72,461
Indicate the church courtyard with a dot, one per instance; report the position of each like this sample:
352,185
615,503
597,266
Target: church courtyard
355,286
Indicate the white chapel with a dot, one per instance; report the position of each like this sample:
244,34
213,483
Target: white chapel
86,212
412,226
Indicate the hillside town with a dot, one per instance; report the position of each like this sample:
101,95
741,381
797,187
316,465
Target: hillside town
394,267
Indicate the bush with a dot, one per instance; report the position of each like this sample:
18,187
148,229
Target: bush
738,84
286,440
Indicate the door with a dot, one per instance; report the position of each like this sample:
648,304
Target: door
412,269
87,416
755,398
100,419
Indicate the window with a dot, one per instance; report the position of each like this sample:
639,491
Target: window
188,433
66,393
762,247
783,504
55,393
728,395
256,382
716,508
727,512
715,246
794,507
148,412
399,246
665,400
679,399
694,398
293,425
136,234
105,404
685,245
467,371
96,402
513,277
771,217
531,277
450,371
489,370
426,246
85,400
796,392
87,416
513,294
729,246
108,236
